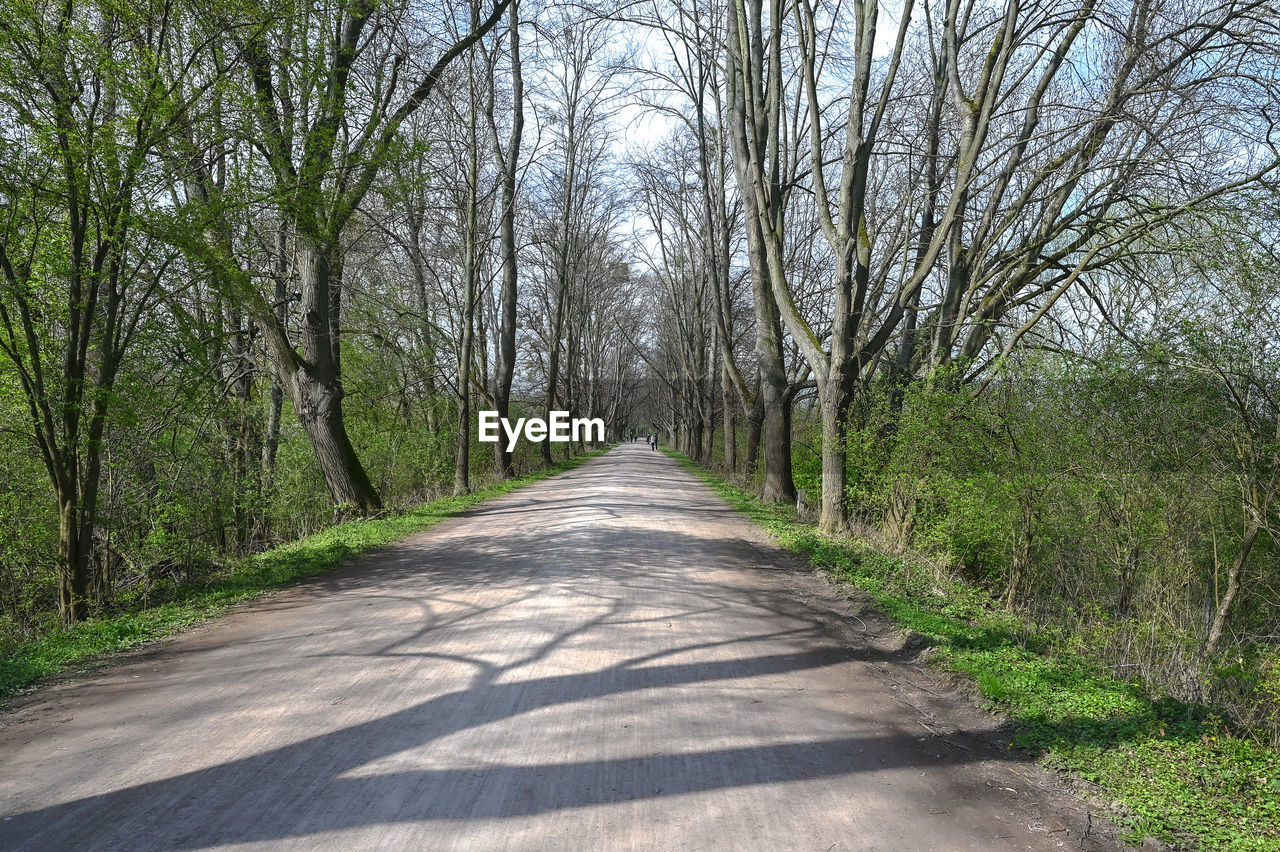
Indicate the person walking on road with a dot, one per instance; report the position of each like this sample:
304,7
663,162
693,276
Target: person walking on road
653,445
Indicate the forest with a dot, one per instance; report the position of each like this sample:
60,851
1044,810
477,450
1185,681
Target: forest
993,286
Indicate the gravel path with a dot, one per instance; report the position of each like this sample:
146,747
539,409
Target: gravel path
609,659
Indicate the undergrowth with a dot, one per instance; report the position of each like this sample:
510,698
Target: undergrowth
26,663
1176,771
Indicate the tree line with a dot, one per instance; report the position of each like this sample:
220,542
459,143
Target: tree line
263,262
995,284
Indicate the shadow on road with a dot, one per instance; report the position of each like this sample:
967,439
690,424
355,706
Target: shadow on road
324,782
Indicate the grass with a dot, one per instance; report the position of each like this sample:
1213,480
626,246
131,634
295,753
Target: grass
27,663
1175,770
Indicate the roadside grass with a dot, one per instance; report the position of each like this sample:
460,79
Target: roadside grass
1175,771
26,663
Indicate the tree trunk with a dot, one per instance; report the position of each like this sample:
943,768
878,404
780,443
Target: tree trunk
778,484
508,160
247,445
755,423
708,396
1021,562
553,367
271,442
744,83
779,487
462,466
730,425
470,238
693,433
1233,588
73,567
834,406
462,460
900,520
774,398
316,388
319,407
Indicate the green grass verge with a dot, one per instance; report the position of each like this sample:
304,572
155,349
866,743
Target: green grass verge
1176,771
26,663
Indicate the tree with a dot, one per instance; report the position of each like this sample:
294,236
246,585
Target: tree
325,129
78,251
508,159
754,87
1224,326
690,69
578,95
1024,183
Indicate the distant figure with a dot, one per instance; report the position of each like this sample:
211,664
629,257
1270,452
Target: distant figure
654,445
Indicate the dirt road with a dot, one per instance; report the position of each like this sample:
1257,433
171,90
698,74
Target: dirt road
606,660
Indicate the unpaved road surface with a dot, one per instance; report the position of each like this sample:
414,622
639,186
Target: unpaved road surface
610,659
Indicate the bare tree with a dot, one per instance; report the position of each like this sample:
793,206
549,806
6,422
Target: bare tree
764,166
1028,182
508,160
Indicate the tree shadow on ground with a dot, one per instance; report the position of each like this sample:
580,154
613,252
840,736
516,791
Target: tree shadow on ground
394,769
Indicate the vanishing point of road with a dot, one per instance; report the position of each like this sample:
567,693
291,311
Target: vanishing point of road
609,659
